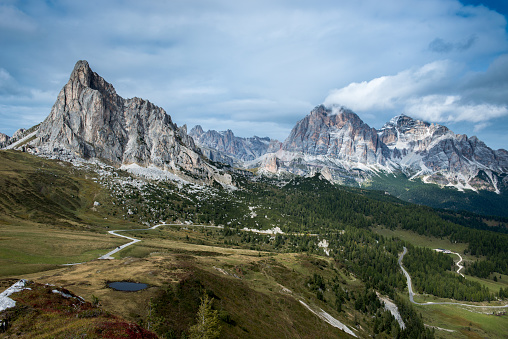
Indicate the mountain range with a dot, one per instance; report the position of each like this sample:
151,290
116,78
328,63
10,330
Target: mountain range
227,148
338,144
90,120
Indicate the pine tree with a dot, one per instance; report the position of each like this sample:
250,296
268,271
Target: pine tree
208,322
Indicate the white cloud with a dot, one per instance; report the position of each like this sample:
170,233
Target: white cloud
7,83
18,116
14,20
442,108
389,92
436,92
480,126
199,91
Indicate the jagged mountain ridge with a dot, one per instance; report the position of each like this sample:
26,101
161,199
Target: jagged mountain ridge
225,147
4,139
338,134
90,120
337,143
441,156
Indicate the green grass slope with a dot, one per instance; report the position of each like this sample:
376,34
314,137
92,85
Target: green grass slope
47,215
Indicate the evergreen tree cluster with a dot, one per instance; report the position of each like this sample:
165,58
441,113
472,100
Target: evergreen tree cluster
430,273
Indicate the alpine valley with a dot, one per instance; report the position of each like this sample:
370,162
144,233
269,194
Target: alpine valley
332,233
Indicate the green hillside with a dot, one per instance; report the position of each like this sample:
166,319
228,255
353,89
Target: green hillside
415,191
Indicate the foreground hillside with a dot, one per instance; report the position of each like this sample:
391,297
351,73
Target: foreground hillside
325,268
43,311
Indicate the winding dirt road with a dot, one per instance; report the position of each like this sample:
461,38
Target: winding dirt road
459,265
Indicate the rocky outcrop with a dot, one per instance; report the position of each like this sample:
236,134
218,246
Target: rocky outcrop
4,139
270,163
90,120
274,146
20,133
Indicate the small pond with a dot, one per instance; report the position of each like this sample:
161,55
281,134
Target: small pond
127,286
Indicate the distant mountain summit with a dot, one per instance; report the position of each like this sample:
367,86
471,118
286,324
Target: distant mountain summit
90,120
226,147
438,155
4,139
338,134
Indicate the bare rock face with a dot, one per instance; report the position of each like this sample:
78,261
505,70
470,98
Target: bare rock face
274,146
337,133
91,120
270,164
18,134
334,142
337,143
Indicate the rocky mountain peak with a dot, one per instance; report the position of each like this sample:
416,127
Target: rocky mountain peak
404,132
89,119
82,73
196,131
4,138
18,134
403,122
338,133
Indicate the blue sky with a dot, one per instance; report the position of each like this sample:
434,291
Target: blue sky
257,67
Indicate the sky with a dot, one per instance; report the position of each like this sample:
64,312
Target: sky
257,67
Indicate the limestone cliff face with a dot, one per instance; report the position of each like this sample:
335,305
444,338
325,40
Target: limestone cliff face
18,134
336,133
270,163
332,141
91,120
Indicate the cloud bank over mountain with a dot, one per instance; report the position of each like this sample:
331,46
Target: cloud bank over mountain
439,92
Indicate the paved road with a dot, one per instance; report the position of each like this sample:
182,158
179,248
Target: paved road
134,240
411,293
